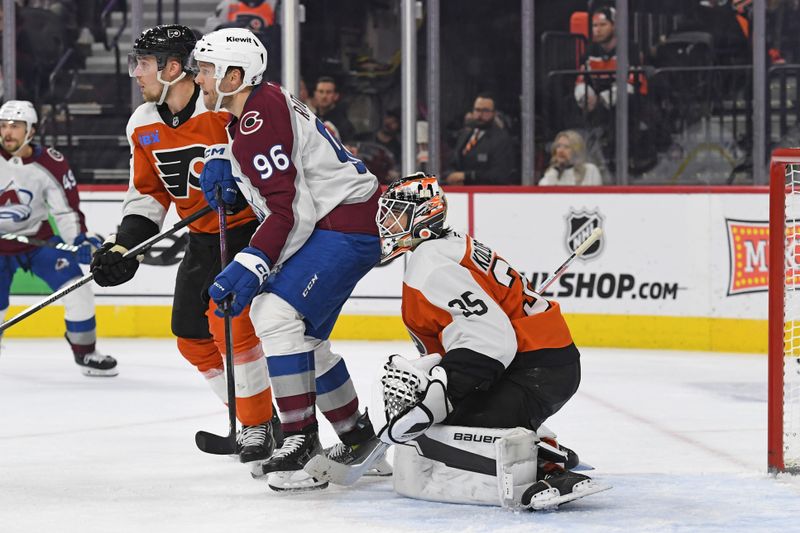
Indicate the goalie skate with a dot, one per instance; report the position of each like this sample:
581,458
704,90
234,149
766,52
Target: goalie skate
559,488
95,364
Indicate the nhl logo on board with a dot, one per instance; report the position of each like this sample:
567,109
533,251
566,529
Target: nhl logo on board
581,224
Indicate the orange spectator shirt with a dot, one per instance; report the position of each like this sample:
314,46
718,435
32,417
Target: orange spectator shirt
167,153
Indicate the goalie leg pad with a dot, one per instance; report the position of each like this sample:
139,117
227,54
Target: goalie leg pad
457,464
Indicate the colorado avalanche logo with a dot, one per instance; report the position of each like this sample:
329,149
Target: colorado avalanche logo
15,204
250,123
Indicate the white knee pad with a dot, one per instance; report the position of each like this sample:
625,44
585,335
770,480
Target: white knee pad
279,326
79,304
457,464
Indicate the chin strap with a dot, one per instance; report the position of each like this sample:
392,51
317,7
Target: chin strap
221,94
167,85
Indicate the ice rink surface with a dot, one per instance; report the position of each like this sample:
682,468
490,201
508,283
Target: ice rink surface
680,436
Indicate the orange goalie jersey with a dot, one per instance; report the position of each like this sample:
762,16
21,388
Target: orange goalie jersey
459,294
167,153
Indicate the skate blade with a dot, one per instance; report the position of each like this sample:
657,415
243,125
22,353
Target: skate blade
98,373
321,467
296,481
551,498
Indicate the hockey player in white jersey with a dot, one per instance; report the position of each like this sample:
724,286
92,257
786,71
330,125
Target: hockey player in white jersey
317,238
497,361
36,181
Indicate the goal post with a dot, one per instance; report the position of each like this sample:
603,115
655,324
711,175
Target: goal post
783,424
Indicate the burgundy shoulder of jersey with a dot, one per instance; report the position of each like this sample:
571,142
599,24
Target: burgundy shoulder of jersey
56,163
266,113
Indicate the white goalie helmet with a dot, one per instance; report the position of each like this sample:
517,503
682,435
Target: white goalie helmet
20,111
232,47
411,210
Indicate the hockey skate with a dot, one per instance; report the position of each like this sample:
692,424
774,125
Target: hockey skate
256,443
96,364
558,487
284,470
360,453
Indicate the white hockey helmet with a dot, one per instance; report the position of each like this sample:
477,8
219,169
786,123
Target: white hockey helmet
20,111
411,210
232,47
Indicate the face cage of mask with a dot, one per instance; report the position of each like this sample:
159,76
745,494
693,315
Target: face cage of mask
390,213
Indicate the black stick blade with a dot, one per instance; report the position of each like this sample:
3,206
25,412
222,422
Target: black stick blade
215,444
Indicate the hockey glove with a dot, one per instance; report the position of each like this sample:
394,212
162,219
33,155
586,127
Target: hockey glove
241,280
87,243
110,268
217,174
432,407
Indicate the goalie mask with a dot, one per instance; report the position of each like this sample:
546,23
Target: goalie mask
412,210
169,41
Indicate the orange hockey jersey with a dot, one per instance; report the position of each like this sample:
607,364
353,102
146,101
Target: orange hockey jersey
459,294
167,153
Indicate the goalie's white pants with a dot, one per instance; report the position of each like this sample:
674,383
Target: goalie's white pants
467,465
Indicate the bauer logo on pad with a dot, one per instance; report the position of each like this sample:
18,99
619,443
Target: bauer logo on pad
748,245
581,224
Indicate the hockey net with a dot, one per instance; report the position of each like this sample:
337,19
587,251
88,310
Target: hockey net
784,312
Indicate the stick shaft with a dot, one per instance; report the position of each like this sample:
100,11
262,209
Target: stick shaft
133,252
579,251
33,241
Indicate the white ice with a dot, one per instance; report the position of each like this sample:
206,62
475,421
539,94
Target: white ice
680,436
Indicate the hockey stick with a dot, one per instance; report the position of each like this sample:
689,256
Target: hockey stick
327,469
40,243
209,442
590,240
133,252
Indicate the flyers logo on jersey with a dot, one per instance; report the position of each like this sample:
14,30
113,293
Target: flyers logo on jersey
748,245
250,123
180,168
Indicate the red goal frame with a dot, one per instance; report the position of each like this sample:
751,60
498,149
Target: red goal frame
777,276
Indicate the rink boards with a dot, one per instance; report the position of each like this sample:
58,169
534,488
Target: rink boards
682,268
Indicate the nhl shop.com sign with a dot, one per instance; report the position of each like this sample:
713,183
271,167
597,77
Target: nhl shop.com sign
748,245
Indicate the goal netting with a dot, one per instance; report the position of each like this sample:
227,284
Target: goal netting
784,312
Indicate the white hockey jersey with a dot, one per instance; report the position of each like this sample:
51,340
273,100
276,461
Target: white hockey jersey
30,189
296,175
459,294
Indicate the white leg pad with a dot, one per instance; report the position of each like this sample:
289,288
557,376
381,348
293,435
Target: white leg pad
516,465
427,478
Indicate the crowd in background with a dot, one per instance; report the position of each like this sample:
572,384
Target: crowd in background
350,58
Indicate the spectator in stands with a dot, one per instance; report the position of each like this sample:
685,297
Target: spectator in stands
591,91
305,97
483,153
326,100
254,15
388,135
568,165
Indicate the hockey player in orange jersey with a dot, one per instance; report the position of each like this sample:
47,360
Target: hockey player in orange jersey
168,135
497,360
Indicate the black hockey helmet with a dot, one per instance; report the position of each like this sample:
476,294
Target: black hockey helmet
166,41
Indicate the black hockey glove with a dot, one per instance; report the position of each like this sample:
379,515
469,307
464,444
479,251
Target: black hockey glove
109,266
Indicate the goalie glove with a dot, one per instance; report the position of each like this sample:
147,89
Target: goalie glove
415,398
